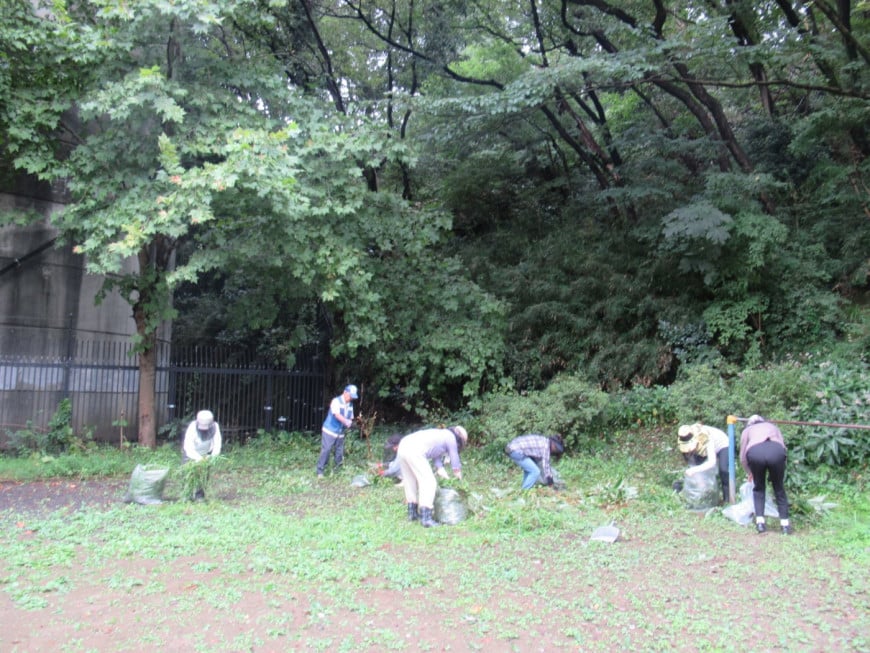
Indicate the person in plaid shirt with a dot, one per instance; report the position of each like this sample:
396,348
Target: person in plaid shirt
532,453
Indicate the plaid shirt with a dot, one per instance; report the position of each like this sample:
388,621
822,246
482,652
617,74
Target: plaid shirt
533,446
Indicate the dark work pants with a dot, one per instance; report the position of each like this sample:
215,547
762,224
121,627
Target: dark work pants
768,459
724,476
329,443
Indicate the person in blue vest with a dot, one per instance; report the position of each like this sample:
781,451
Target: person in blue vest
337,422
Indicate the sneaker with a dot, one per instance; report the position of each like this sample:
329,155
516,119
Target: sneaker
760,527
320,476
787,530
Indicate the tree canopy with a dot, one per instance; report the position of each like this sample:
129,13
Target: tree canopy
461,196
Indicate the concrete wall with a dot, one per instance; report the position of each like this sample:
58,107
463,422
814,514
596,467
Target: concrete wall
47,312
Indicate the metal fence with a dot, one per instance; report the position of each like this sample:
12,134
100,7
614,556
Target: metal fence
245,393
101,379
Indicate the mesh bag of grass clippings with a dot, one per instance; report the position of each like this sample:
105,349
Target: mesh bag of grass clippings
450,506
701,491
146,485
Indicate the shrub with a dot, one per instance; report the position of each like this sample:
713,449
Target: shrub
58,437
841,395
709,393
25,441
568,405
60,431
640,406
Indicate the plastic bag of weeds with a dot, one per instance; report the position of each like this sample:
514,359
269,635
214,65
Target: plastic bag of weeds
146,485
743,511
701,491
360,480
450,506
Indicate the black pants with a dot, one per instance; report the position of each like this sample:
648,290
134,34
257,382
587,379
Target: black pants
768,459
724,476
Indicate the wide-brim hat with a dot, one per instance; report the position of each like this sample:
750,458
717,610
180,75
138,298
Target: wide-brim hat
687,438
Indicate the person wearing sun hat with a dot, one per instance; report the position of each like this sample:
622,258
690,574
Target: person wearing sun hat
763,454
202,438
414,453
338,420
533,454
705,447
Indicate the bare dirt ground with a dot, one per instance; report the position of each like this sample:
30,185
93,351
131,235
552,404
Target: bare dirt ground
136,604
47,496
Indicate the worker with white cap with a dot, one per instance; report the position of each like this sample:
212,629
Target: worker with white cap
338,420
201,439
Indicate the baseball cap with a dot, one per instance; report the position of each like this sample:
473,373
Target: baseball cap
204,420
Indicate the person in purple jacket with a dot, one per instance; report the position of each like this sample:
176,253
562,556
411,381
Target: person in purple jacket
419,482
338,420
763,454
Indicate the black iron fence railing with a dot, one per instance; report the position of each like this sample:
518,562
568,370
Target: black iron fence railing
101,379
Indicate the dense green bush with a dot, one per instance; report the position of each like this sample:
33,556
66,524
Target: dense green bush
841,395
568,405
709,393
640,406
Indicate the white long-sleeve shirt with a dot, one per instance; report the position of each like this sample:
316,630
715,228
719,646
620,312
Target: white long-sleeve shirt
716,441
198,444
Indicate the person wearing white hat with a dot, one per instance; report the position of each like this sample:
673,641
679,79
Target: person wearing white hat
338,420
420,485
705,447
202,438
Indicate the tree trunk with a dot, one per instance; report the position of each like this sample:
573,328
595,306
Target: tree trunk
147,398
146,334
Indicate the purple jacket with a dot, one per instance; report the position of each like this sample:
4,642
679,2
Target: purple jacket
756,434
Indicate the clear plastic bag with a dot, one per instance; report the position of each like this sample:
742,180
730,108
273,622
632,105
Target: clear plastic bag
361,480
146,485
701,491
743,511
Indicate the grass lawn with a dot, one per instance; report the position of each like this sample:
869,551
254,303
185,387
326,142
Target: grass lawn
277,560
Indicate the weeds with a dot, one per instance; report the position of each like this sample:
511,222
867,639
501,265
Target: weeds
194,476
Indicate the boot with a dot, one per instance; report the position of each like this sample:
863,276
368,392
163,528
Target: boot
413,515
426,518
